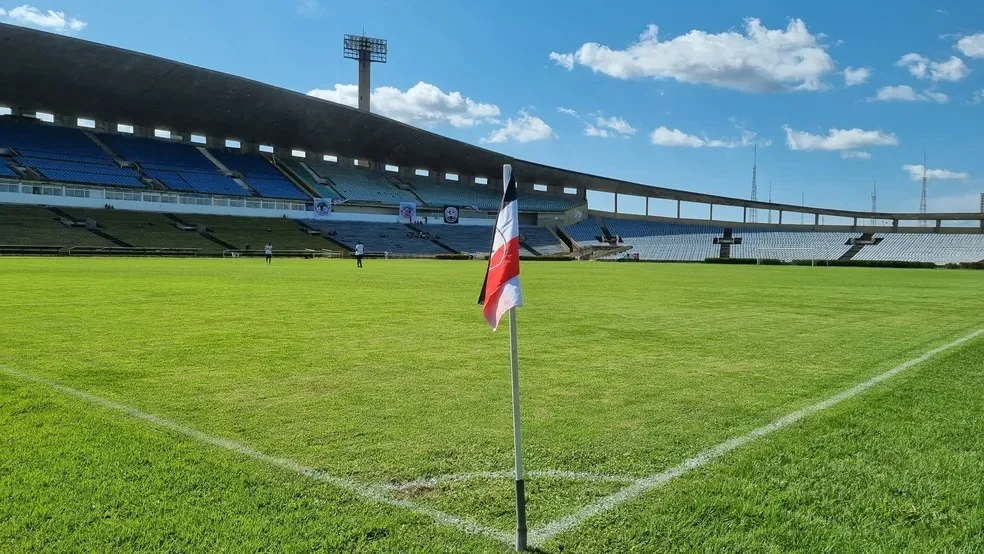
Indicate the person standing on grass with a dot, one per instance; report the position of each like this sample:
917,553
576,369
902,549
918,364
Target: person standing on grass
268,252
359,252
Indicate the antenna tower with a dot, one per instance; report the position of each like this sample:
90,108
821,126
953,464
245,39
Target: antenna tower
874,201
754,214
922,198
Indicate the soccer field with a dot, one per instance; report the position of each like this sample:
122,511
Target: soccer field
226,406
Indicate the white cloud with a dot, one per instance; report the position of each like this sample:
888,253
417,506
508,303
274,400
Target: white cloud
855,155
758,60
600,126
423,105
49,20
972,46
921,67
838,139
905,93
563,60
664,136
978,97
525,128
856,76
916,173
616,124
309,8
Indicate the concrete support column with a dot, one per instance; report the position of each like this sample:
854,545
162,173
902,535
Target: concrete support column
816,220
939,224
895,226
780,217
647,206
104,127
16,111
251,148
712,212
855,226
144,132
744,214
678,209
63,121
365,85
616,202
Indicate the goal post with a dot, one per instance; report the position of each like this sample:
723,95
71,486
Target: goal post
789,256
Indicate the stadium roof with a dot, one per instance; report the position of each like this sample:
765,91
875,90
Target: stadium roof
69,76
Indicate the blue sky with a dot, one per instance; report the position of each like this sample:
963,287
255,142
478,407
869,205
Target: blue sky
665,93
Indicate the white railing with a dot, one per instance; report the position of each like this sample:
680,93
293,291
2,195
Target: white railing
156,197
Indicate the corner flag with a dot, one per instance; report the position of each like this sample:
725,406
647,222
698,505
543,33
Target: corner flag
500,291
501,294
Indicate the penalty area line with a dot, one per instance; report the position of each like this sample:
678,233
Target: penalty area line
375,493
550,530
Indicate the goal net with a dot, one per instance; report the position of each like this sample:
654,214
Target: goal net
789,255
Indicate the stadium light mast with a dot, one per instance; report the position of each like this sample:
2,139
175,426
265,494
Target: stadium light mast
366,50
922,198
754,214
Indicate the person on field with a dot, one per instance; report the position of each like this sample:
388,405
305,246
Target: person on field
268,252
359,252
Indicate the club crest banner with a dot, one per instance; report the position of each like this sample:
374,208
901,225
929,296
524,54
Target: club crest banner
322,208
451,215
408,211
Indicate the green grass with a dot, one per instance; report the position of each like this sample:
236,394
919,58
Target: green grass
389,375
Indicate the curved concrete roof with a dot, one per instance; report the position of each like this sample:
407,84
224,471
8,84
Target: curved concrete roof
65,75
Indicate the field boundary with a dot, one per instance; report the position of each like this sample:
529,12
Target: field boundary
538,536
543,534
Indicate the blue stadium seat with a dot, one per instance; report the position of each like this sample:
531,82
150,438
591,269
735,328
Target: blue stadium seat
260,175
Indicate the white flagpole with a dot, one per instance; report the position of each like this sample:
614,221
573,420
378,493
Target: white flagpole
517,437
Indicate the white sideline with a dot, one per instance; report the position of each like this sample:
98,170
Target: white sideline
554,528
375,493
535,473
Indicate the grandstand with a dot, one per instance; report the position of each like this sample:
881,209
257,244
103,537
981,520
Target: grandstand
232,197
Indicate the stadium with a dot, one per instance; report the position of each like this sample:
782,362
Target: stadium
797,386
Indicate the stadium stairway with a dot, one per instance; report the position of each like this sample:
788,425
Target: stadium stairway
402,185
206,235
725,253
856,247
526,245
318,232
94,230
298,180
435,241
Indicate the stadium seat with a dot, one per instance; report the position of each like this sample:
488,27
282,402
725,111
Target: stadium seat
260,175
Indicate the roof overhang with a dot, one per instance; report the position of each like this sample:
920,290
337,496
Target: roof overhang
68,76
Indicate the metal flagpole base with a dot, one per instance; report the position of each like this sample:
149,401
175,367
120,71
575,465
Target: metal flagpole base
521,515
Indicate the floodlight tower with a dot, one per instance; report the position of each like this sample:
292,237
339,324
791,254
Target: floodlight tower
366,50
754,214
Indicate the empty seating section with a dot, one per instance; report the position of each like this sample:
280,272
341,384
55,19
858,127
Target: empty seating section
145,229
541,240
667,241
921,247
586,231
62,154
6,171
538,202
36,226
791,245
260,175
303,174
465,196
178,166
363,186
379,237
285,234
463,238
